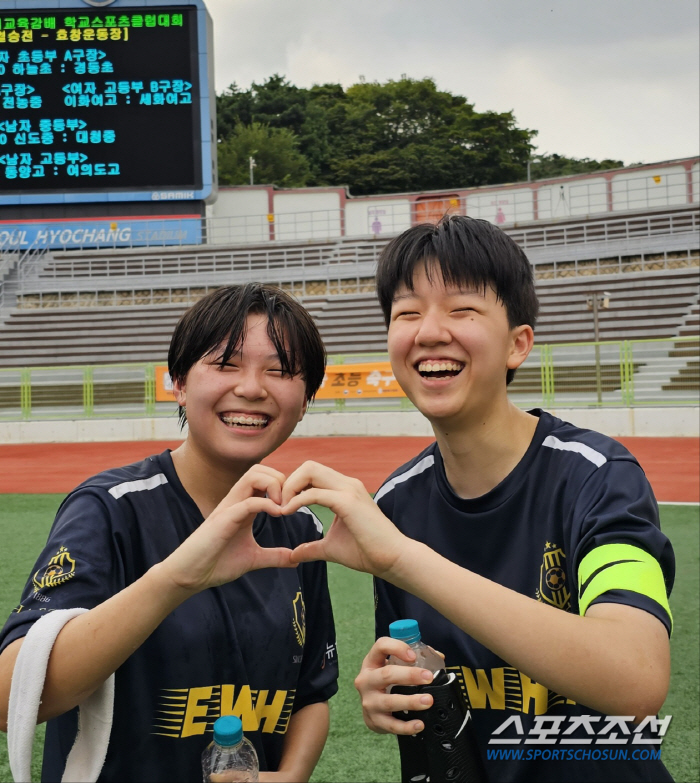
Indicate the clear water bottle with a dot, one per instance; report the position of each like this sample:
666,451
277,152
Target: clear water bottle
230,758
426,658
447,749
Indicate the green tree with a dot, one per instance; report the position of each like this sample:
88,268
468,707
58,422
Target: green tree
407,135
279,104
553,165
403,135
275,150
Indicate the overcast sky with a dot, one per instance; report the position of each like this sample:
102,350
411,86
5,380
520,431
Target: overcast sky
597,78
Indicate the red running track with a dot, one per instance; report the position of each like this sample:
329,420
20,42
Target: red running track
672,464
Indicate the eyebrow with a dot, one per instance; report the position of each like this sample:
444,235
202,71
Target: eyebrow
455,292
269,357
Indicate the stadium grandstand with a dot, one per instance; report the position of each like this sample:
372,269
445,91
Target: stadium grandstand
96,306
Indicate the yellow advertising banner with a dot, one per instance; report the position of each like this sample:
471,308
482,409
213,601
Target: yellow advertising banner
164,385
341,382
372,380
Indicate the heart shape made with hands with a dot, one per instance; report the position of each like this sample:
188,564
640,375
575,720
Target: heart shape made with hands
360,537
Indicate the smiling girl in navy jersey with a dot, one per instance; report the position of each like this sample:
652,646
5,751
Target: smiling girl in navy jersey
183,562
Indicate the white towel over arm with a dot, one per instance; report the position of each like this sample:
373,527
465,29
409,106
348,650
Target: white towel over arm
88,754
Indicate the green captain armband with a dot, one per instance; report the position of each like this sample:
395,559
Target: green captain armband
620,567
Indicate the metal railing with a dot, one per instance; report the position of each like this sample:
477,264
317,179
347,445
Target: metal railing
187,288
608,229
595,247
618,374
31,258
305,227
107,267
564,199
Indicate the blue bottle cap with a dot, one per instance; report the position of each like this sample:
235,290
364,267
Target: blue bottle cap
406,630
228,730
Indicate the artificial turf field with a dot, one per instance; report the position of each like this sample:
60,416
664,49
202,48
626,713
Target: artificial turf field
352,753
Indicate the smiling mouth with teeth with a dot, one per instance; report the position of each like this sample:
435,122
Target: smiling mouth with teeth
258,422
439,369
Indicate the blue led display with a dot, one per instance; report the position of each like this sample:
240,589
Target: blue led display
109,103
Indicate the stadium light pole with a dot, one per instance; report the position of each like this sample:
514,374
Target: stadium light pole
535,159
251,164
596,301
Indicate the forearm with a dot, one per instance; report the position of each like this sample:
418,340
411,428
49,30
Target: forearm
304,741
596,661
94,645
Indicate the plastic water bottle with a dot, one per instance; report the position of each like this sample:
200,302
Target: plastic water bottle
447,749
230,758
409,632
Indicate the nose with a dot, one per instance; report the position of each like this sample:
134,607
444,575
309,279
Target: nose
433,330
249,385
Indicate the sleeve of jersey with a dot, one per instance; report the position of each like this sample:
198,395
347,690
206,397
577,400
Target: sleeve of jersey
622,556
318,679
77,568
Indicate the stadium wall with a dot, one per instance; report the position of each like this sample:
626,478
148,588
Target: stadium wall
264,213
615,422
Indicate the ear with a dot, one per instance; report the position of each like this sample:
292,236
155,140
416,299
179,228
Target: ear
179,392
304,406
523,338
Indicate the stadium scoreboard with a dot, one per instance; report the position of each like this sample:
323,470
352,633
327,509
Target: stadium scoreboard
106,101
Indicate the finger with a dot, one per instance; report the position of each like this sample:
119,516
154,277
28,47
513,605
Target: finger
415,702
312,474
382,648
381,680
385,703
231,519
274,489
270,486
329,498
270,471
261,483
264,484
388,724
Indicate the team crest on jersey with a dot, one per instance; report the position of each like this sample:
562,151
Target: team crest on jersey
553,588
299,620
60,569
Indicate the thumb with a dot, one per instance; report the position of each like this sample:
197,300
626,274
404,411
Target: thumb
274,557
312,550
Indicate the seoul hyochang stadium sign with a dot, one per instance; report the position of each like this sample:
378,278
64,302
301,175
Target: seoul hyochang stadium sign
105,102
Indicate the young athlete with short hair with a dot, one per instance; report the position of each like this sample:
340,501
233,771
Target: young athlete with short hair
184,563
528,549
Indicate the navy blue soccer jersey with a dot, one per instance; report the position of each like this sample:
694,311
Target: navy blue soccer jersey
261,647
574,524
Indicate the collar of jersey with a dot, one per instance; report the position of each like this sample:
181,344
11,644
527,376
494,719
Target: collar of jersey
510,484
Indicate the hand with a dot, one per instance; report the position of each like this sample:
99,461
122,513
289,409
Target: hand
260,481
223,547
360,537
376,675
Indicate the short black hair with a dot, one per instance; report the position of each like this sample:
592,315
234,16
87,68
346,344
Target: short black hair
466,252
221,317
